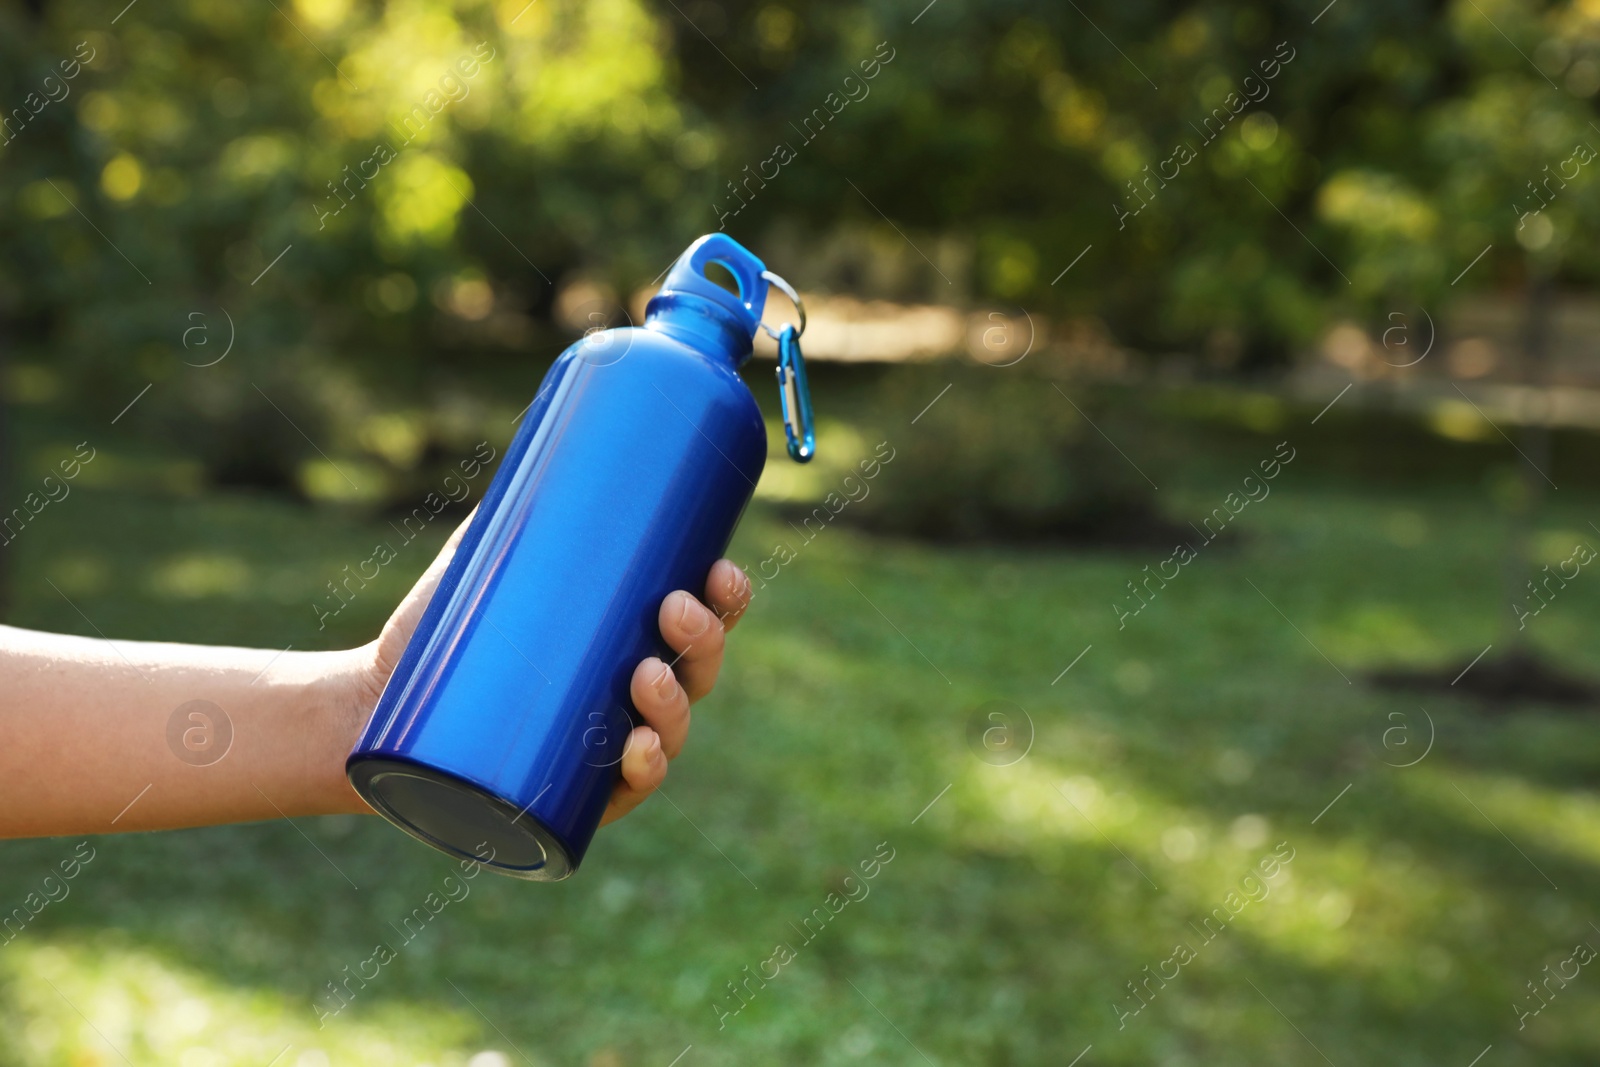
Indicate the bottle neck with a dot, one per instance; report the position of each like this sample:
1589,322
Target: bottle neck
701,325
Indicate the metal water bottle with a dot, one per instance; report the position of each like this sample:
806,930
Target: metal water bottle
499,736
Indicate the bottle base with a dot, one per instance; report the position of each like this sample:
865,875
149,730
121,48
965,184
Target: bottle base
461,819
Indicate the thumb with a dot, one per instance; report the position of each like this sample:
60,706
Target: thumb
403,623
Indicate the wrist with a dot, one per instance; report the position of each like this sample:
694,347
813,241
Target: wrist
336,702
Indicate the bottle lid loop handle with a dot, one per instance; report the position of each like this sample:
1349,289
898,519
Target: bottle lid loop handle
688,276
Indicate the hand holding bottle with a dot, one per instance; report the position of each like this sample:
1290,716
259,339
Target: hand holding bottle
694,627
512,700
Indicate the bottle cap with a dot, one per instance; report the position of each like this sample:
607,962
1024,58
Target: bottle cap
687,278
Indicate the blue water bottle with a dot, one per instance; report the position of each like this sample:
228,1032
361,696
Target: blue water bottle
499,735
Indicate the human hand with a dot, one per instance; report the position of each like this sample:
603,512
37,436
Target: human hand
695,628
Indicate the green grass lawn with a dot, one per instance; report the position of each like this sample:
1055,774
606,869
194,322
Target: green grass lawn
1178,752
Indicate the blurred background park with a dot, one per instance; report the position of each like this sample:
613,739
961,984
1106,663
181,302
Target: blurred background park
1307,289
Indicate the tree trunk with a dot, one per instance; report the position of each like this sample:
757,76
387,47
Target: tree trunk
1533,466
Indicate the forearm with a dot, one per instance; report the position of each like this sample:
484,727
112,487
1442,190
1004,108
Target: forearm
88,744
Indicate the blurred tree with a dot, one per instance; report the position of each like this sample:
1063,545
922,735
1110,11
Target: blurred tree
362,186
351,186
1531,139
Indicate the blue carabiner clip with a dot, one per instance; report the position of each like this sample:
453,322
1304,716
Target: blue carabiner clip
792,387
796,395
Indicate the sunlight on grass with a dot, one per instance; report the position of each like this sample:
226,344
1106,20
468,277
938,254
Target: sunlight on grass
198,575
80,574
1381,633
1557,546
99,1005
1459,421
107,468
839,447
348,481
1533,818
1347,906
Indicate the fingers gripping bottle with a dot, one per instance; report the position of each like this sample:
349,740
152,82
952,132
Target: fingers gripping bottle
499,736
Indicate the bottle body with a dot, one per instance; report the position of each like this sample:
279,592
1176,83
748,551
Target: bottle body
500,734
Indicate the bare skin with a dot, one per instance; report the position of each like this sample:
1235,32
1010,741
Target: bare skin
84,721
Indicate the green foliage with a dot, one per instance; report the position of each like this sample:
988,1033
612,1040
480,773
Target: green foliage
352,188
437,167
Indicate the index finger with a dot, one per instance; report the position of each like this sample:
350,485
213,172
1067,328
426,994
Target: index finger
728,592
